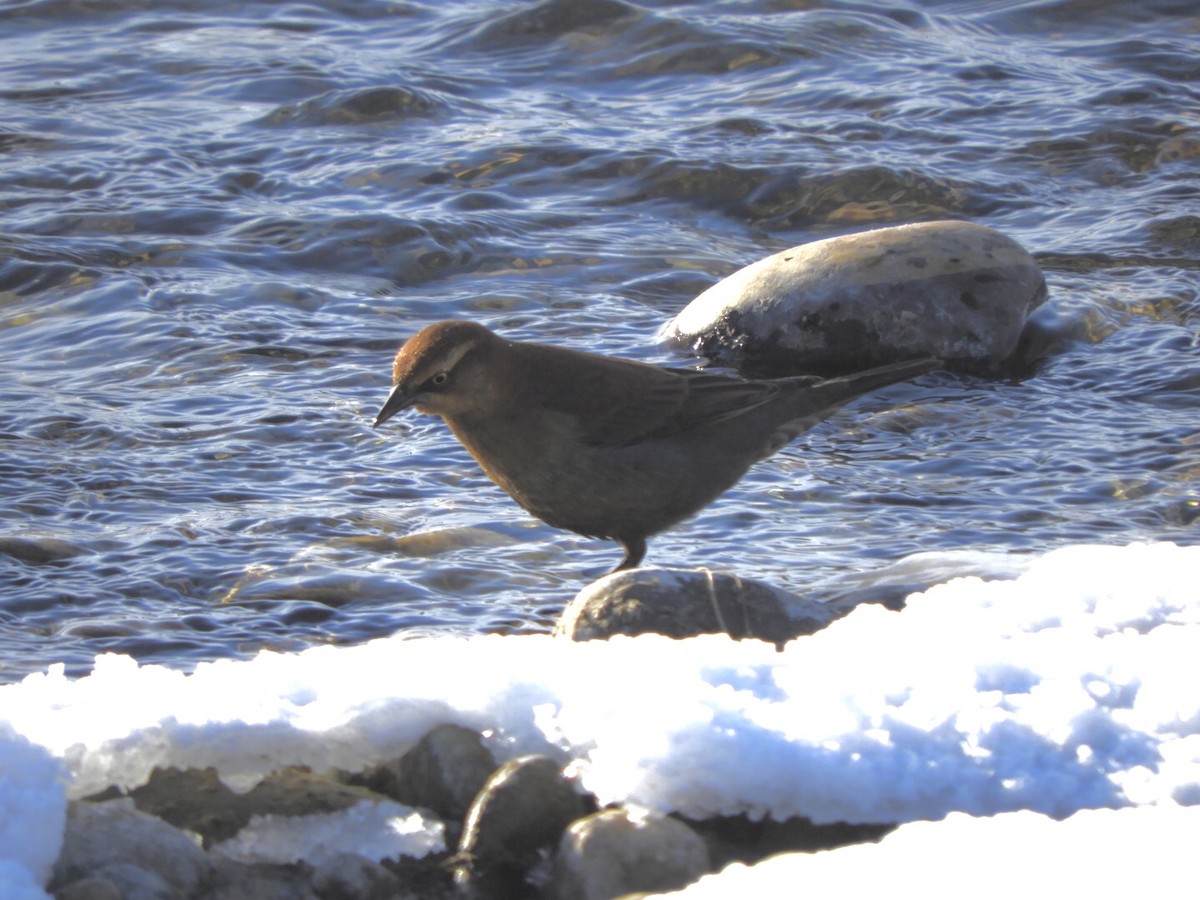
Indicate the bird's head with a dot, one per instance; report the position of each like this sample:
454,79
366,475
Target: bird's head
442,370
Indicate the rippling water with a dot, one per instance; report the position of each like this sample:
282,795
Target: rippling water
217,221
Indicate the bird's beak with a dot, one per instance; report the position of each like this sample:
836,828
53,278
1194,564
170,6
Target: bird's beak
398,401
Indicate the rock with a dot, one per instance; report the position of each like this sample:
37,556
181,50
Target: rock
612,853
550,19
682,603
129,882
140,854
94,887
427,543
192,799
39,550
443,772
197,800
377,829
348,876
955,290
235,881
741,839
523,809
891,585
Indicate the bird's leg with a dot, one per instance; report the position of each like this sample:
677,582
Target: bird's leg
635,549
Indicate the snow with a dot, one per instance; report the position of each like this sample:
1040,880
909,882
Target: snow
373,830
1068,685
33,810
1139,852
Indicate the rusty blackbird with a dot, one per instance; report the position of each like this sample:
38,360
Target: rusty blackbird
605,447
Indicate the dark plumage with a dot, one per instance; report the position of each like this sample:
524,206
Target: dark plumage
608,447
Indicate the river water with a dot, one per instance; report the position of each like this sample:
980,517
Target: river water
218,220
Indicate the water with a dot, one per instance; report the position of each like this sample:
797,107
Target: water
218,220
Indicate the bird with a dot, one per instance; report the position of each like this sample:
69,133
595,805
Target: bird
607,447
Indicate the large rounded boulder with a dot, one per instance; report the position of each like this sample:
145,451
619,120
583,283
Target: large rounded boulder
955,290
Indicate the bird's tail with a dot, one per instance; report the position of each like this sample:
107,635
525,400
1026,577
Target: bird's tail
819,399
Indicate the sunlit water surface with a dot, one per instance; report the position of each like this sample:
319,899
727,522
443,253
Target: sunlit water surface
218,220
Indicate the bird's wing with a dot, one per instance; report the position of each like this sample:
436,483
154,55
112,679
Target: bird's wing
616,402
667,402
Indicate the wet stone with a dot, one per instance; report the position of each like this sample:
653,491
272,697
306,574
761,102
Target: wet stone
39,550
520,813
129,848
741,839
123,881
682,603
443,772
197,800
355,878
613,853
958,291
552,18
94,887
235,881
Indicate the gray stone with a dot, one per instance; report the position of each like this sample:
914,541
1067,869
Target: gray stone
348,876
521,811
94,887
39,550
741,839
443,772
131,849
686,602
235,881
612,854
196,800
136,883
955,290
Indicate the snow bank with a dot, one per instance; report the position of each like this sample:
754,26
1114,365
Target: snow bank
1075,685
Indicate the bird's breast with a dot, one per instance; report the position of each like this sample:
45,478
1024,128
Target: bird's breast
604,491
512,452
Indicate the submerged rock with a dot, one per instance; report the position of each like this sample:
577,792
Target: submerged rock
955,290
39,550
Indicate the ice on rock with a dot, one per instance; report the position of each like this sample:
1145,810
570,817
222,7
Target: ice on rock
374,830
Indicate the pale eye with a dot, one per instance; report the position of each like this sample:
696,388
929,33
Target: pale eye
439,379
